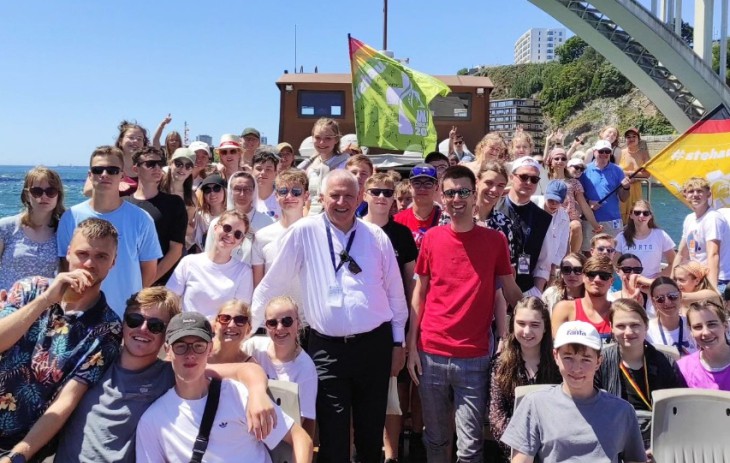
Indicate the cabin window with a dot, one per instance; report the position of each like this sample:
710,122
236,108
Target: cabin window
316,104
454,106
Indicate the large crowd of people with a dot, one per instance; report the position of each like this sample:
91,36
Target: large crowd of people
406,310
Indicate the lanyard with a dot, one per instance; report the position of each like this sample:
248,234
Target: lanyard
680,340
633,384
332,249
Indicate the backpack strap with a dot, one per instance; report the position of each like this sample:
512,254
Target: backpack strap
211,405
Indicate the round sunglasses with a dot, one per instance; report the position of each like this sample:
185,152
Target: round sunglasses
286,322
238,234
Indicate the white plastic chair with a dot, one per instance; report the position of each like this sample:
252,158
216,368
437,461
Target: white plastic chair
671,350
691,426
286,395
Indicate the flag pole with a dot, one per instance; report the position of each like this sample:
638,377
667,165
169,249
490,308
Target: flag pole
602,200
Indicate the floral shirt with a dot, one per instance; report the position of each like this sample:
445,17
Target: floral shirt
57,347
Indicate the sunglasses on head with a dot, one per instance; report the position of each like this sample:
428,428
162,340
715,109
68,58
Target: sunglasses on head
605,276
182,348
428,184
351,264
37,191
286,322
296,192
534,179
462,193
673,297
110,170
211,188
238,234
151,164
640,213
239,320
180,164
387,192
604,249
135,320
636,270
568,269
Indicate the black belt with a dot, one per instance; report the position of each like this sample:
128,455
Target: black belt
351,338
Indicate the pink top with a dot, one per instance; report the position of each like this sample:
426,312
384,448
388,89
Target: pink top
571,203
697,376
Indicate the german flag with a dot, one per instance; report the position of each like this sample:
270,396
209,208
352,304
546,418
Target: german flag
702,151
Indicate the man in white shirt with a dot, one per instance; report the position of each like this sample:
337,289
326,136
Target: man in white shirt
354,302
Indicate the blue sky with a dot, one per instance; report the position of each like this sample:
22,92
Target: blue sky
73,70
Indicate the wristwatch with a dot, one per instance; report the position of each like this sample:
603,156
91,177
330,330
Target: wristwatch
17,458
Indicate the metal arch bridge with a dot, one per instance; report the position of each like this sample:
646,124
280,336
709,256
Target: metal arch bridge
655,59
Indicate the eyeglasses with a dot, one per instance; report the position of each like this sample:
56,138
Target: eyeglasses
182,348
181,164
604,151
135,320
238,234
423,184
110,170
273,323
579,168
152,164
37,191
567,270
296,192
462,193
605,276
534,179
640,213
673,297
351,264
605,250
387,192
212,188
239,320
242,190
636,270
227,152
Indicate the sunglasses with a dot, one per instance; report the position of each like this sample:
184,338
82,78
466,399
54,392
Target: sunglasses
351,264
181,164
567,270
640,213
462,193
458,142
227,152
37,191
110,170
286,322
534,179
296,192
604,249
238,234
427,184
239,320
151,164
182,348
636,270
604,151
135,320
605,276
673,297
387,192
558,159
579,168
215,188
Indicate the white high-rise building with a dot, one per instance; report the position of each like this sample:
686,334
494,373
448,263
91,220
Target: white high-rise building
538,45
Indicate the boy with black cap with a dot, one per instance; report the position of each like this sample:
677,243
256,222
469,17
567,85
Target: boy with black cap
168,429
594,425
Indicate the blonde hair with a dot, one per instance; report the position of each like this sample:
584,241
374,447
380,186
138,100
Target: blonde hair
239,306
168,301
332,125
522,136
694,183
492,138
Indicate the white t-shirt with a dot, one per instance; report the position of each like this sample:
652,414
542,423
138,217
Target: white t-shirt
167,430
266,244
205,286
301,370
269,206
671,338
697,232
559,233
649,250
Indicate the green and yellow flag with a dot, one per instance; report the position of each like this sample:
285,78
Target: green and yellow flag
391,101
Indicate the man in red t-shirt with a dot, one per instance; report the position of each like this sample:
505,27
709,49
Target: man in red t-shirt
452,310
424,213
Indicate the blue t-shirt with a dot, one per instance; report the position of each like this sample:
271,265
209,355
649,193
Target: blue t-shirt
597,183
137,243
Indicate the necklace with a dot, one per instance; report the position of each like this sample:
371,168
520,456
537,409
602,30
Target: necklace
418,217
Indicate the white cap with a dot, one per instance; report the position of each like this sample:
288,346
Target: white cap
525,161
576,162
603,145
200,146
577,332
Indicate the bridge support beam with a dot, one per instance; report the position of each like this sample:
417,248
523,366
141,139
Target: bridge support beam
703,29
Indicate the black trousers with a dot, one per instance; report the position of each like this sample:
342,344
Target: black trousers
353,382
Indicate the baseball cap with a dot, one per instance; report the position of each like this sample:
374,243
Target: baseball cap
602,145
283,145
632,130
186,153
214,179
188,324
556,190
200,146
577,332
525,161
251,131
228,140
424,170
576,162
